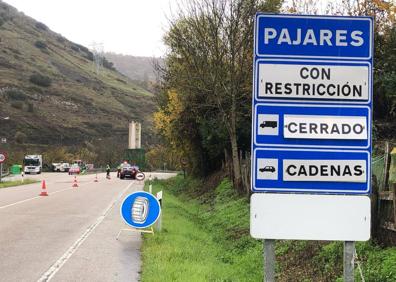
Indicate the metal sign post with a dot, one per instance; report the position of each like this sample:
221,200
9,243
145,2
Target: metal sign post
159,221
349,251
311,131
269,260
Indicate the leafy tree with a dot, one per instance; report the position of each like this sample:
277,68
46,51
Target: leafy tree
209,65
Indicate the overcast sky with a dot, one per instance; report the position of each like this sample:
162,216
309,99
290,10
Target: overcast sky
133,27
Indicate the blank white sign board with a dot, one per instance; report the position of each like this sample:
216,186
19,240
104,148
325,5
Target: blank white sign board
310,217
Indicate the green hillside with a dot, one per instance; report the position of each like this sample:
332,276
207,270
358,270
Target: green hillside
52,93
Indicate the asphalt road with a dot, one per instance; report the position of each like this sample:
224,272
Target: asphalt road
69,235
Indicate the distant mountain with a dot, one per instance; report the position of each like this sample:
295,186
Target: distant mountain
136,68
52,93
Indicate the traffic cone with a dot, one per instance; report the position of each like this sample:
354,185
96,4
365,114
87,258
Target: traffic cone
75,182
96,178
43,189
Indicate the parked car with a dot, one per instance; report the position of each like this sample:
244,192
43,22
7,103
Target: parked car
74,169
128,170
61,167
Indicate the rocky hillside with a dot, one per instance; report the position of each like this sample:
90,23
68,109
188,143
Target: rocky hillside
52,93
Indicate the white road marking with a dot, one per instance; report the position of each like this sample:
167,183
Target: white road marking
19,202
27,200
49,274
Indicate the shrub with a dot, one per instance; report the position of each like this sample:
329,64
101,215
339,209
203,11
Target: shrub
75,48
60,39
41,26
89,56
30,107
107,64
16,94
40,44
82,48
40,80
17,105
20,137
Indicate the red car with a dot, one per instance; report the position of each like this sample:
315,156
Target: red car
74,169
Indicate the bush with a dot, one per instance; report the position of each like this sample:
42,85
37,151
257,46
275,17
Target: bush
60,39
20,137
40,44
16,94
75,48
89,56
17,105
41,26
30,107
107,64
40,80
82,48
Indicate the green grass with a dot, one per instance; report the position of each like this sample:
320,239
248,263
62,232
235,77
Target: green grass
205,237
201,242
17,183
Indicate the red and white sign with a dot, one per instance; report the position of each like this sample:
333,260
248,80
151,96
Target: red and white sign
3,157
140,176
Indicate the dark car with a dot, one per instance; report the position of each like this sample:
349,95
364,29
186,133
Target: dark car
128,171
267,168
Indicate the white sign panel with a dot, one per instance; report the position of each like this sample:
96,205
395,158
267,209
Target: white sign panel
325,170
268,124
310,217
325,127
159,195
314,81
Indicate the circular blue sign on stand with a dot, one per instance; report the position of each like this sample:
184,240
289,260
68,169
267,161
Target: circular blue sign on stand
140,209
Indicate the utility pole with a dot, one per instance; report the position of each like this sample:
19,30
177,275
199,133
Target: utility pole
98,53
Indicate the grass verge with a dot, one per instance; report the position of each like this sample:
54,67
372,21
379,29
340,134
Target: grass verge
201,242
205,237
17,183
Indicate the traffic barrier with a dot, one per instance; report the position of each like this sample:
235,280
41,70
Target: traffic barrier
43,189
96,178
75,184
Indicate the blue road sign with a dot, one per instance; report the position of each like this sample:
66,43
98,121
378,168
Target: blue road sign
312,171
140,209
314,36
312,101
315,126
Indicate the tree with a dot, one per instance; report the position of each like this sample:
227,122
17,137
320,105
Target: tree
210,65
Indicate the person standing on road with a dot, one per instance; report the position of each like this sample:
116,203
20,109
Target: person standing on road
108,171
118,170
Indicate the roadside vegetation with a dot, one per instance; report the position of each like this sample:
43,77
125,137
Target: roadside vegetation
6,184
205,237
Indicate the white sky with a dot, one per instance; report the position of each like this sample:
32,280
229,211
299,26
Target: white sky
133,27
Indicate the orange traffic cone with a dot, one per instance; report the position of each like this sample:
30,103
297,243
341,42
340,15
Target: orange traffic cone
96,178
43,189
75,182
